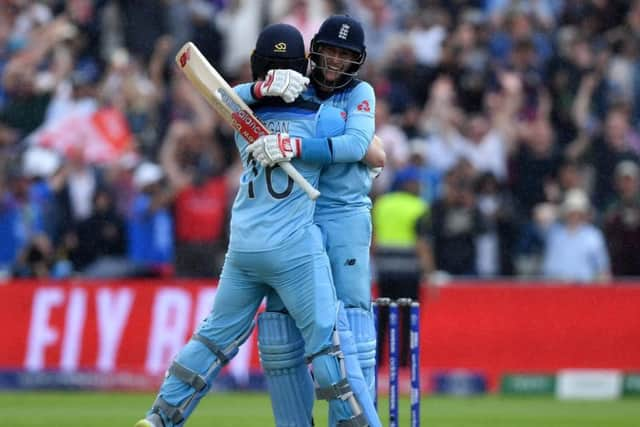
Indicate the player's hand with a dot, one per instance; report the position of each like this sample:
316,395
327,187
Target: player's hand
287,84
272,149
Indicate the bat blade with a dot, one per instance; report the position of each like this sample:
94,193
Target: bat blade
214,88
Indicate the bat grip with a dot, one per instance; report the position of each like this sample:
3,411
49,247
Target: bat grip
299,179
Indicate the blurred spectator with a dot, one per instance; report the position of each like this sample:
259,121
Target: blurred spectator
543,95
75,188
21,217
150,225
453,226
395,224
379,24
573,59
444,144
395,145
595,17
534,164
518,40
466,60
622,221
201,201
136,92
102,234
76,95
239,23
408,80
612,147
496,245
302,17
39,62
430,178
543,11
489,138
427,32
41,168
575,250
28,203
143,22
36,259
205,32
571,175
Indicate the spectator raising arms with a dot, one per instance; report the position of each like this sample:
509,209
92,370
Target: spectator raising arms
542,94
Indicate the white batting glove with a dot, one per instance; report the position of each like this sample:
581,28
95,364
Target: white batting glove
287,84
272,149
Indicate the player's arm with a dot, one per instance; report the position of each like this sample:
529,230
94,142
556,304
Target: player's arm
360,126
245,92
354,143
348,147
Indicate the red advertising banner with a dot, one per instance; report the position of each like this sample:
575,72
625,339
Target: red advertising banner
531,327
135,327
105,327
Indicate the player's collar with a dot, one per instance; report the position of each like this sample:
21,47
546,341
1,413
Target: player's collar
324,95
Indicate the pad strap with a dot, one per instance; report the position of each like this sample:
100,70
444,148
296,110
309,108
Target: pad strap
171,412
186,375
213,348
332,350
357,421
340,390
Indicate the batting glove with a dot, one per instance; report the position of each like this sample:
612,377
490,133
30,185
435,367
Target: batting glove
287,84
272,149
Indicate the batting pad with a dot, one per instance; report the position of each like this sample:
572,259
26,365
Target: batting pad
364,335
288,380
354,374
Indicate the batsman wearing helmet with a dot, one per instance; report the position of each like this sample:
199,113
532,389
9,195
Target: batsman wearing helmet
274,247
343,210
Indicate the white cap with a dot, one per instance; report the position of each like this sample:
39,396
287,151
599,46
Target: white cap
576,200
627,168
40,162
147,173
202,9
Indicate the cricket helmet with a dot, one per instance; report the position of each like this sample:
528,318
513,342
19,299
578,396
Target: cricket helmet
279,46
344,32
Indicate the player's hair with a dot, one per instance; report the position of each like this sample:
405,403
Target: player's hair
279,46
344,32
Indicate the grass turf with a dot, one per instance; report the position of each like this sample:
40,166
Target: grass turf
75,409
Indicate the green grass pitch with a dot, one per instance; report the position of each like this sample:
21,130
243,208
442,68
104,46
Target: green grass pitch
75,409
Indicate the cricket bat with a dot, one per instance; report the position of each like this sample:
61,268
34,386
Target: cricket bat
213,87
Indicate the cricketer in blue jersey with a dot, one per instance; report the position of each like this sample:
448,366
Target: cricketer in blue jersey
343,209
274,246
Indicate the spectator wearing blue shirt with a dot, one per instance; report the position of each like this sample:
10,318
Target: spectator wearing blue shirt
575,250
21,218
150,225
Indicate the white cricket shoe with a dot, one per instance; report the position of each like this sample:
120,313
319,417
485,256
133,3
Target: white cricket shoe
152,421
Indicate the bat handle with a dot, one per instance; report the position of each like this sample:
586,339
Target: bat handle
299,179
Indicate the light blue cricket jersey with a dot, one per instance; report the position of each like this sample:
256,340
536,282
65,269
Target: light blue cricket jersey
345,182
269,208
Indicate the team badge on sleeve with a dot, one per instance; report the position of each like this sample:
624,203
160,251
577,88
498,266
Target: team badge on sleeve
364,106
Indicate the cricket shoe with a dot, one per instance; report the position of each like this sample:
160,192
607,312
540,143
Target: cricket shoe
152,420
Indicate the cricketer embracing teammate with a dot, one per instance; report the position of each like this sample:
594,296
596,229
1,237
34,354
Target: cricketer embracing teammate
274,247
343,210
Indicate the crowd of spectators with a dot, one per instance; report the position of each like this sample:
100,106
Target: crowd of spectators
519,121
